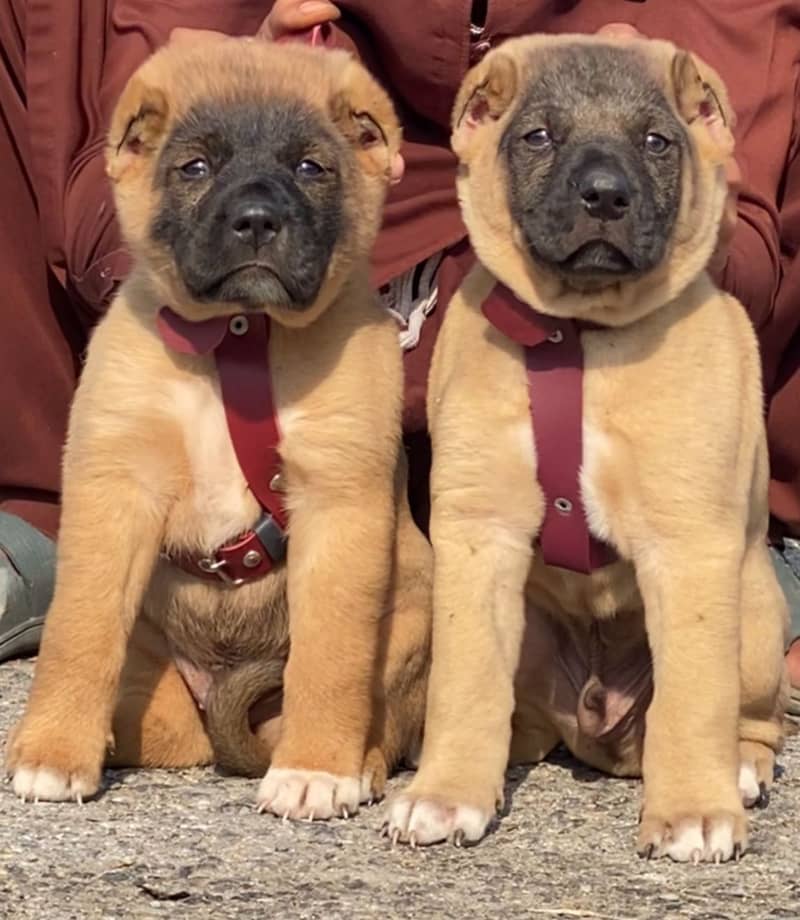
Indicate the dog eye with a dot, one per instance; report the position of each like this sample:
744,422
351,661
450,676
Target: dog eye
539,139
309,169
197,168
656,143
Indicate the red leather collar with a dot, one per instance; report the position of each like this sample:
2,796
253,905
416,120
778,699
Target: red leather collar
554,365
241,350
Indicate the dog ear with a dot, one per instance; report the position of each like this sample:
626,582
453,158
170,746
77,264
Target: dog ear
137,125
701,95
486,93
364,114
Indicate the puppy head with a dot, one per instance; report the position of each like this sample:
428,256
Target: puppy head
592,171
251,176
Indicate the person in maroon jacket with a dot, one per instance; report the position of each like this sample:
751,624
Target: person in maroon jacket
64,63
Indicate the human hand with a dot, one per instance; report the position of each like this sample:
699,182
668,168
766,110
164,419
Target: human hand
288,18
285,19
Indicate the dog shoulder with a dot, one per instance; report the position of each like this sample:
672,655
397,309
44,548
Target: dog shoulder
467,350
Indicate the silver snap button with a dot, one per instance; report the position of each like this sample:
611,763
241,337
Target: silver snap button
556,337
251,559
563,505
239,325
276,483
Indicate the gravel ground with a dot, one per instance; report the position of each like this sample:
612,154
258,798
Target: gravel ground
188,844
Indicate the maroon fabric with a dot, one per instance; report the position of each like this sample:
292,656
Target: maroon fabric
554,365
241,350
246,379
188,338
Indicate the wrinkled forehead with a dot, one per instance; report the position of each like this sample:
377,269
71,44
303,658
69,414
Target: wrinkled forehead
266,122
596,85
230,74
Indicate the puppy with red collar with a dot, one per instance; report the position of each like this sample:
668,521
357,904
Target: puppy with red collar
599,483
235,529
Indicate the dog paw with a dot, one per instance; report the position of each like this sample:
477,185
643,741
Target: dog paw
713,838
757,766
52,769
42,784
754,794
312,795
423,820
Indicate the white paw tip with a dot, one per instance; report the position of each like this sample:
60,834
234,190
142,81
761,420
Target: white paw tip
43,784
310,794
748,785
431,821
687,844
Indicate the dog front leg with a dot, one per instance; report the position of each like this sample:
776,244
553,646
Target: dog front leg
108,544
478,618
339,567
692,809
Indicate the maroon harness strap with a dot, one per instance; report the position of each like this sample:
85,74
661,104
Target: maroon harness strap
554,364
241,350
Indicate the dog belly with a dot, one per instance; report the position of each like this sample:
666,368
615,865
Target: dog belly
590,682
209,627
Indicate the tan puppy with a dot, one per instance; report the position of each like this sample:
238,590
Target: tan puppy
592,184
249,178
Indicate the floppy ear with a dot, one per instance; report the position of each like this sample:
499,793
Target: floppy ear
137,125
364,114
486,93
701,95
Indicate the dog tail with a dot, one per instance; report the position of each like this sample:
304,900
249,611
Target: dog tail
236,748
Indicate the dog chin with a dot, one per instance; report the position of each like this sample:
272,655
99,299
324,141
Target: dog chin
251,288
593,265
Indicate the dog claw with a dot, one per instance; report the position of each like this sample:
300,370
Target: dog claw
310,817
458,838
737,852
412,840
696,856
385,829
261,808
285,818
79,798
345,812
763,796
717,857
395,837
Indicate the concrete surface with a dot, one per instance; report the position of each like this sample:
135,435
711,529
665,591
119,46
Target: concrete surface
189,845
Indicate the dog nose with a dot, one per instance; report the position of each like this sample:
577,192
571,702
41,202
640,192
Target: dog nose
254,223
605,191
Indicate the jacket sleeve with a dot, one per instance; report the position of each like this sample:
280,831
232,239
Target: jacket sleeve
753,270
758,60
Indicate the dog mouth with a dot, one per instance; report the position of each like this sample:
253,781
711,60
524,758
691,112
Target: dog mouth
597,259
253,285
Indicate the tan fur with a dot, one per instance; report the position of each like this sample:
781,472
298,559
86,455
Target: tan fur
149,465
674,476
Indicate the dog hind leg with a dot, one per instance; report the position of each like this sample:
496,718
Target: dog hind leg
157,722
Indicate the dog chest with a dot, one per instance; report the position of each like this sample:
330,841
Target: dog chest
217,504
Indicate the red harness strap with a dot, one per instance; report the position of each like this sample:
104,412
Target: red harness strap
554,364
240,345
